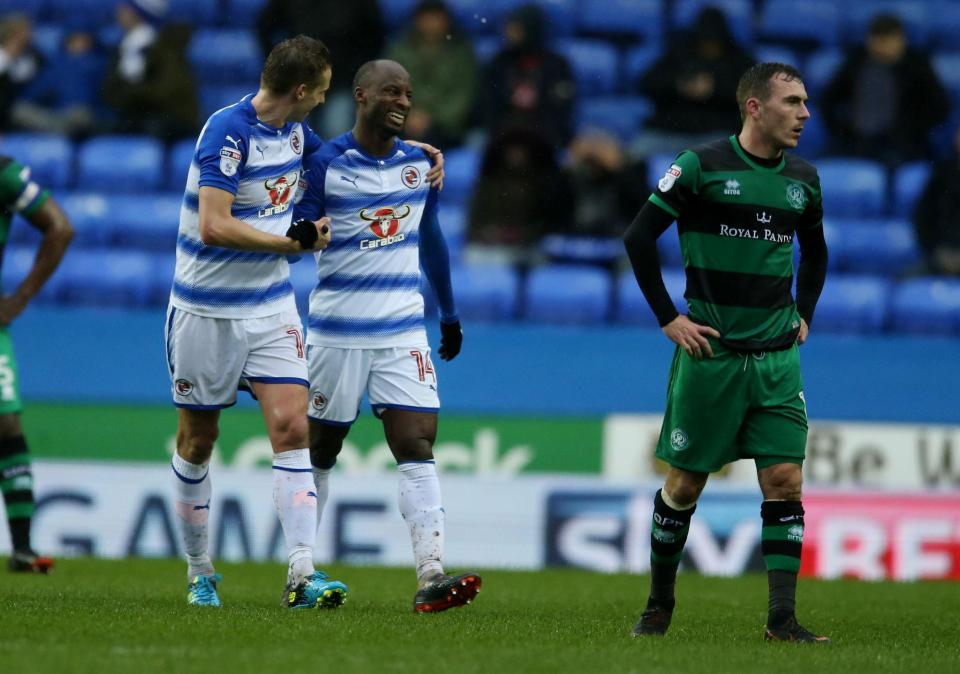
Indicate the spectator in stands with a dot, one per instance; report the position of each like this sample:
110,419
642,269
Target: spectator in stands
440,60
20,63
885,98
937,216
354,33
64,98
526,84
691,86
150,84
520,195
607,187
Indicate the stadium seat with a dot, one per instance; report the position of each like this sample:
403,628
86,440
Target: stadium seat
929,305
475,17
621,116
909,181
397,13
225,56
17,262
819,70
199,13
462,167
632,307
213,97
668,248
916,19
947,67
854,188
162,266
853,303
47,38
595,64
303,277
815,139
179,159
561,16
568,295
120,164
50,157
453,224
582,249
90,13
945,28
637,61
144,221
622,17
103,277
485,292
739,16
87,212
485,47
884,247
243,12
807,22
33,8
776,53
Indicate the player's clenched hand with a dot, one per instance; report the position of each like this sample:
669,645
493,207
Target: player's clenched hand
451,339
311,235
691,336
436,173
804,332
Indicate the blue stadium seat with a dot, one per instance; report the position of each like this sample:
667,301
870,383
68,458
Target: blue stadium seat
914,15
776,53
851,303
47,38
618,17
50,157
485,47
668,248
567,294
739,16
637,61
103,277
595,64
242,12
17,263
179,159
632,307
947,67
453,224
198,13
884,247
945,28
485,292
909,181
397,13
561,15
120,164
216,96
87,212
815,139
225,56
582,249
144,221
303,277
475,17
853,188
162,266
33,8
810,21
622,116
928,305
819,70
462,167
90,13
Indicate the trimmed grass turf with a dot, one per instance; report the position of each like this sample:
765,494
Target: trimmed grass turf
131,616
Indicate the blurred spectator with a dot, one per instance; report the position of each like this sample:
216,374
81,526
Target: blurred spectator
692,87
353,32
20,63
520,195
885,98
440,60
607,188
526,84
64,98
150,84
937,216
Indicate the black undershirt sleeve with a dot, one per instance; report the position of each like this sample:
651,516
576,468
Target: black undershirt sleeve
640,241
812,271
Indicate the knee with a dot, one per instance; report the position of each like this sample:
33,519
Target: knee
10,426
325,444
684,488
412,449
783,482
196,444
290,432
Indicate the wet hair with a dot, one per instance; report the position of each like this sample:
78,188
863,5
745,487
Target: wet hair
298,60
755,82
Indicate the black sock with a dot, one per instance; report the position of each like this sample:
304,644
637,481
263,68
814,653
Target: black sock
668,533
16,484
781,544
783,596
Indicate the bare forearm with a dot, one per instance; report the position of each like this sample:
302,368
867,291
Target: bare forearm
228,232
51,251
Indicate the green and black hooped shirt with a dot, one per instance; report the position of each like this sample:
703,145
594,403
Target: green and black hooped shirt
736,219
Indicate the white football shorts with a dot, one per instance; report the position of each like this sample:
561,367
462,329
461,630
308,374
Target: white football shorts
210,358
395,378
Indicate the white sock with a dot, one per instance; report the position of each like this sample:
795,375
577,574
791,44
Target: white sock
421,508
192,504
321,480
295,501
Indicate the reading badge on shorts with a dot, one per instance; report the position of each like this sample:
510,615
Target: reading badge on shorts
669,178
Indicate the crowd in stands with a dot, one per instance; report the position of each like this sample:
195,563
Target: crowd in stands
556,116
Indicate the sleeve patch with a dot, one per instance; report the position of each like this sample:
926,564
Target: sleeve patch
230,159
669,178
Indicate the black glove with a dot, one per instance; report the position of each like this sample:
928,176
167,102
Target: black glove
305,232
451,339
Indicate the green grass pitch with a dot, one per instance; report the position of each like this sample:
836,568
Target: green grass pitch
131,616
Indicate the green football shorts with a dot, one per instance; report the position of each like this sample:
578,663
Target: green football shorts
9,381
734,406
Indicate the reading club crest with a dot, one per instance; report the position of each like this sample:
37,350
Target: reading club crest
411,177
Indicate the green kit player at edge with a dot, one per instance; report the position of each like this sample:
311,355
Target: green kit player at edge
735,390
19,194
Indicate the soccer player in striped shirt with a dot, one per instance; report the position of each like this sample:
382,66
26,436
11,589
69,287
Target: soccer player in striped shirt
366,326
735,389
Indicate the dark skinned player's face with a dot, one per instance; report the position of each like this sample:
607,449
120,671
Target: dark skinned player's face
388,101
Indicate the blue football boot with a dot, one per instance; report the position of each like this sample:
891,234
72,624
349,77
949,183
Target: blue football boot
202,591
315,591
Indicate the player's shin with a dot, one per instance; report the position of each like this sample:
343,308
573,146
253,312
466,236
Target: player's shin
295,499
781,543
192,505
668,534
16,484
421,509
